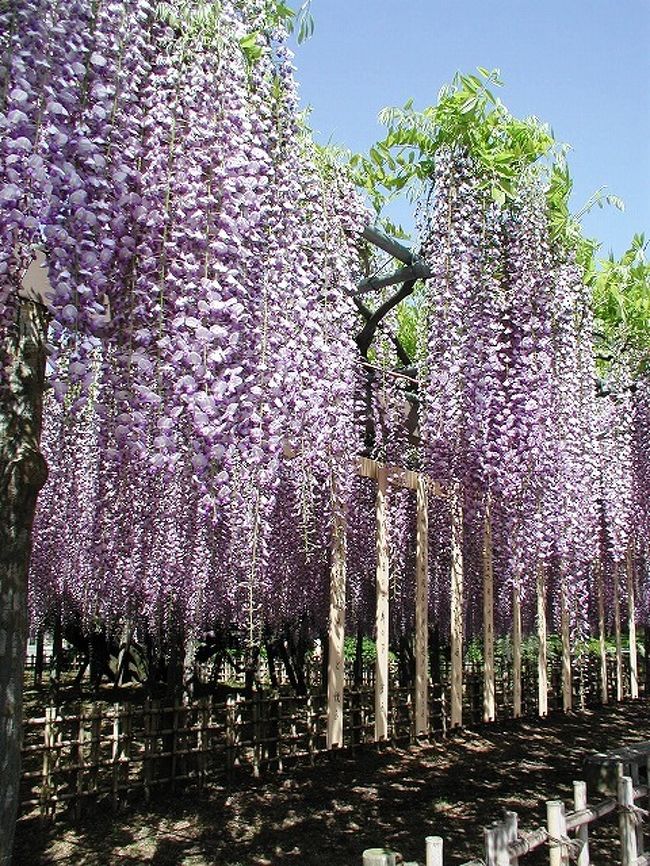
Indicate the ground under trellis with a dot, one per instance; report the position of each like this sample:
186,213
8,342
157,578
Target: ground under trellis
327,815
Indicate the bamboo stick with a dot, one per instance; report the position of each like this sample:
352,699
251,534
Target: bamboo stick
422,613
516,652
382,613
456,611
617,633
567,685
489,710
542,657
631,622
604,686
335,660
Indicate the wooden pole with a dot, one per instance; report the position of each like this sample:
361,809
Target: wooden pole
516,652
567,685
456,610
422,613
631,622
489,710
604,688
582,833
617,633
381,664
542,656
335,660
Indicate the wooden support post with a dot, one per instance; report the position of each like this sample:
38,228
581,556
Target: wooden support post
627,827
604,687
434,850
335,660
516,651
81,764
115,758
542,655
631,622
381,664
582,833
456,610
422,613
567,684
617,634
489,708
48,803
556,826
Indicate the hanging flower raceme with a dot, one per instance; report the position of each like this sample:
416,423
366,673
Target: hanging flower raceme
201,260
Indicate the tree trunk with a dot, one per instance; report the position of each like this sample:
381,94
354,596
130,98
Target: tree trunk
23,472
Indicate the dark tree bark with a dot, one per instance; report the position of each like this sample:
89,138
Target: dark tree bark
23,472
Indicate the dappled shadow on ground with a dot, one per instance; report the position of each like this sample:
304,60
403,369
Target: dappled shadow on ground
328,814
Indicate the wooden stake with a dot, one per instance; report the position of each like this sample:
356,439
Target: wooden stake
335,660
604,688
456,610
556,825
567,685
434,850
627,827
631,622
542,671
582,833
381,664
489,710
617,633
422,613
516,652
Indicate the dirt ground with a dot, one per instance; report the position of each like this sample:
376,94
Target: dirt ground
328,814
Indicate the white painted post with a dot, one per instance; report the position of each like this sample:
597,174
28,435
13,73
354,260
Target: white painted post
456,610
434,850
556,825
335,660
381,664
604,688
516,652
627,826
511,824
379,857
496,845
582,833
567,685
631,622
542,671
422,612
488,620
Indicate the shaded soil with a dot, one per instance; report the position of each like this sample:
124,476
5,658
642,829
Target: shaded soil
328,814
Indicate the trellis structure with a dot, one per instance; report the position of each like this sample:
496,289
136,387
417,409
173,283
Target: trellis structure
387,476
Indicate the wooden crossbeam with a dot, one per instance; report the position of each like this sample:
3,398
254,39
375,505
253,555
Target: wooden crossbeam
398,477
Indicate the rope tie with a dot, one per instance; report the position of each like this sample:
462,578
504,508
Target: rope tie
636,813
573,847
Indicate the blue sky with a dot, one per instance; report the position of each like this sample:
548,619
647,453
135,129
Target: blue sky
583,66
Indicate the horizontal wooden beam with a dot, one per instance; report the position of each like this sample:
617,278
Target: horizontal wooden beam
397,476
